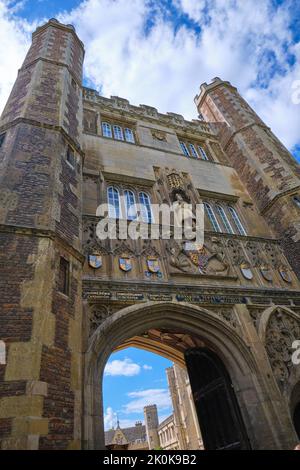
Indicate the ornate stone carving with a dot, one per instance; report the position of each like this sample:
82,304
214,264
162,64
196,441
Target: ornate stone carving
159,135
228,315
254,253
122,249
99,313
177,257
255,314
218,262
273,255
237,255
282,330
211,260
175,180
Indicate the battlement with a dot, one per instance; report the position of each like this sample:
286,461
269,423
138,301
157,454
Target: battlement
144,111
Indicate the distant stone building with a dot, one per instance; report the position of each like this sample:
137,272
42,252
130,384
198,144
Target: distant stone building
179,431
168,435
185,421
131,438
228,312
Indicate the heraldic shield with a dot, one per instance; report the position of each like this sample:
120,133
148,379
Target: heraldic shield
153,265
125,264
95,261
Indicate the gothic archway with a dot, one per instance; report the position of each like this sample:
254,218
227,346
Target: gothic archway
212,332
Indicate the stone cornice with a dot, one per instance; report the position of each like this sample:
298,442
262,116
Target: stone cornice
92,285
278,196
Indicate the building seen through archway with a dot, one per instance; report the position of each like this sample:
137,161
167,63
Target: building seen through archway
161,427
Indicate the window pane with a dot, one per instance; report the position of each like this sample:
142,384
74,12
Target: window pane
145,204
211,215
184,149
118,133
202,153
193,151
106,130
130,205
237,221
129,136
224,219
114,202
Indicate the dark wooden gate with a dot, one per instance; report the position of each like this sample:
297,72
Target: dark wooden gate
219,416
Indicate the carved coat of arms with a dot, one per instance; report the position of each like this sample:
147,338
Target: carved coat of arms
95,261
153,265
125,264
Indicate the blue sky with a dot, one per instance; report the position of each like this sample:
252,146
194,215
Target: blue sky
134,378
158,52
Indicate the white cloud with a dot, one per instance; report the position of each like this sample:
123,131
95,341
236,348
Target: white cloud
246,45
239,43
14,43
110,418
124,367
146,367
139,399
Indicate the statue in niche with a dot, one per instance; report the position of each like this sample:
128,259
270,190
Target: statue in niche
183,212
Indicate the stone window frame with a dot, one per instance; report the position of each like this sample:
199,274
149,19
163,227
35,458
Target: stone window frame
123,212
237,221
196,149
225,207
211,216
70,157
66,272
120,135
224,218
118,213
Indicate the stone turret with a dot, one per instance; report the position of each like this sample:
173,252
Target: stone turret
151,422
266,167
40,217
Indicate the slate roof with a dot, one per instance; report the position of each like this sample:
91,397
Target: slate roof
132,434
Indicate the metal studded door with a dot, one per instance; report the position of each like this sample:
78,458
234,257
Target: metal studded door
219,416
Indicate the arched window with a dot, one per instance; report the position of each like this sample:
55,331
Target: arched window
145,206
224,219
202,153
113,199
118,133
129,135
130,206
106,130
236,220
193,151
212,218
184,149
